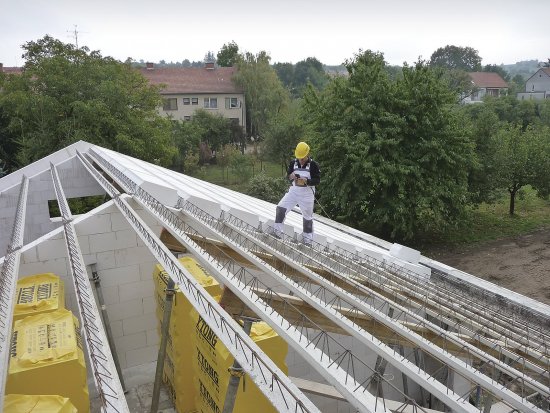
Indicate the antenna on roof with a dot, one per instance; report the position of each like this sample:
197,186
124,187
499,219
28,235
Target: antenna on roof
74,34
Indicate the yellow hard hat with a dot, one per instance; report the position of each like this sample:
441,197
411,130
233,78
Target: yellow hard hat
302,150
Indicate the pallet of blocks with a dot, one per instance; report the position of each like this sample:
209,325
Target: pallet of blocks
197,364
178,348
25,403
46,358
39,293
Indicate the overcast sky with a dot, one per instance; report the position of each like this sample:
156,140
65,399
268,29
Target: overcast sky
503,31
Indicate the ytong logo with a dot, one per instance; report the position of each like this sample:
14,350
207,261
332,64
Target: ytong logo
206,332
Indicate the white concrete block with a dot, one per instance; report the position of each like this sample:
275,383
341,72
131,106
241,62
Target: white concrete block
149,305
210,207
153,338
119,222
125,239
420,272
119,275
102,242
346,246
57,266
139,289
105,260
146,270
134,255
110,295
143,322
94,224
30,255
116,328
131,342
50,249
405,253
141,356
125,309
251,219
89,259
159,190
84,243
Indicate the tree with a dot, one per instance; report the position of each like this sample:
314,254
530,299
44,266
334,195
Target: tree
309,71
228,54
546,64
283,132
264,92
455,57
393,154
497,69
522,158
285,72
66,94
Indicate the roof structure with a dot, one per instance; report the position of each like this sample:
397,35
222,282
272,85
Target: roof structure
488,80
371,326
192,79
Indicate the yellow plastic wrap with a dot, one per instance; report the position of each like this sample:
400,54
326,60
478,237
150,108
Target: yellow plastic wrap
37,294
23,403
47,358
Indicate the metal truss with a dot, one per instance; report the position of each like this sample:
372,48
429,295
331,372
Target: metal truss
8,284
271,381
474,375
101,359
345,302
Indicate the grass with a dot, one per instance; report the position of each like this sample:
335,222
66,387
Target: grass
228,178
489,222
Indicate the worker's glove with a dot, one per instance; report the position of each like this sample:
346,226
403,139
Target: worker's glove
301,181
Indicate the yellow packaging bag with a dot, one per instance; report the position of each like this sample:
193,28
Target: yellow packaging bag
23,403
38,293
213,361
178,362
46,357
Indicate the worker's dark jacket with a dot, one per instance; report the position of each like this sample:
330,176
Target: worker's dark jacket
310,170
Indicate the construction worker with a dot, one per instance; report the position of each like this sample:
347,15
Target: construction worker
304,174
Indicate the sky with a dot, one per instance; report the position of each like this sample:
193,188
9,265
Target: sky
502,31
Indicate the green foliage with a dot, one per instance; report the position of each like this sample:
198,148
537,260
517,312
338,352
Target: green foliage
264,92
283,132
393,155
522,157
267,188
228,54
67,94
456,57
497,69
297,77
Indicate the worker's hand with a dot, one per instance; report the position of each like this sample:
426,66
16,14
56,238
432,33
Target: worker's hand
292,176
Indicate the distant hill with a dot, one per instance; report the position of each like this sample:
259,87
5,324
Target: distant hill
525,68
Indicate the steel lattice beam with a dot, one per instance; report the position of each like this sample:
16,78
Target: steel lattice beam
8,284
101,359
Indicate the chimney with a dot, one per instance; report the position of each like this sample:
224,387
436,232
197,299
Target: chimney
149,66
209,65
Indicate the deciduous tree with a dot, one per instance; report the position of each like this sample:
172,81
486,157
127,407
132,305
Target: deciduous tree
393,155
456,57
228,54
66,94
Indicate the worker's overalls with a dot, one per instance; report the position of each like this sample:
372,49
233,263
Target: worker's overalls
304,197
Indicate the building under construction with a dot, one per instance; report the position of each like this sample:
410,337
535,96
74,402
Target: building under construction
350,324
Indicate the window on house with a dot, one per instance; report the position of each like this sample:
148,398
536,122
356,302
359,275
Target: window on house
231,103
187,118
170,104
186,101
194,101
211,103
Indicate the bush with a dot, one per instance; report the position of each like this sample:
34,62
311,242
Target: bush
267,188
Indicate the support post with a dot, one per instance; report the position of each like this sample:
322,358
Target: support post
169,299
236,372
107,324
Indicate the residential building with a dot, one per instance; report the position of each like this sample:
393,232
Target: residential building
485,84
537,86
186,89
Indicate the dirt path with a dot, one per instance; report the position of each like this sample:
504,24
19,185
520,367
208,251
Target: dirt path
520,264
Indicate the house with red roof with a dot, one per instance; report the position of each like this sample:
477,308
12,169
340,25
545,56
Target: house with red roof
186,89
485,84
537,86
